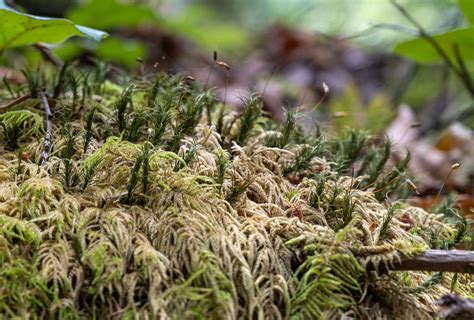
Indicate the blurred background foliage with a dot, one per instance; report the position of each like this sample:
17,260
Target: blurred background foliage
237,28
228,25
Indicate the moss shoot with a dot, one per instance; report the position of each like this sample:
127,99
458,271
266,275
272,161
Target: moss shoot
155,201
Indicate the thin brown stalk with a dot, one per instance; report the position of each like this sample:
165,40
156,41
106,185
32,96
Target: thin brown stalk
15,102
461,261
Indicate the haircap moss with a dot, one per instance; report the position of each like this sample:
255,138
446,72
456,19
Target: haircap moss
158,203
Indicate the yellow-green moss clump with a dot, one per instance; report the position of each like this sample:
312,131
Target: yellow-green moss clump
157,202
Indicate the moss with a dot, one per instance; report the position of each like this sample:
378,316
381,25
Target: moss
158,203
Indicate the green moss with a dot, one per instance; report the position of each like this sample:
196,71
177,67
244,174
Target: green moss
157,202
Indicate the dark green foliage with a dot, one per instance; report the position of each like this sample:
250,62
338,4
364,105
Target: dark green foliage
121,112
303,157
248,119
61,81
74,86
208,100
35,82
287,131
89,167
17,124
222,166
86,87
161,119
188,118
77,248
154,92
461,233
332,200
301,137
389,183
387,218
187,158
192,115
452,216
348,150
99,71
346,211
11,135
146,153
9,88
288,128
237,190
433,280
133,132
88,134
446,207
140,172
374,163
134,177
67,157
317,195
220,119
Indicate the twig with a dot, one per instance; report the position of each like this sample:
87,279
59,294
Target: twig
462,65
48,55
49,127
107,201
15,102
434,260
462,75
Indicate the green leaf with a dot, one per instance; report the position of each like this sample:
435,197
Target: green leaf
18,29
108,14
213,32
113,49
422,51
467,8
122,51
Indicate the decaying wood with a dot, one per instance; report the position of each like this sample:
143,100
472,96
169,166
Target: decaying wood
435,260
455,307
49,127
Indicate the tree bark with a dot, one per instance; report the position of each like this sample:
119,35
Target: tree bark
434,260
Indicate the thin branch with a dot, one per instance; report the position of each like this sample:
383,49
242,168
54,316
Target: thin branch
462,66
109,200
49,127
15,102
434,260
48,55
